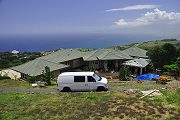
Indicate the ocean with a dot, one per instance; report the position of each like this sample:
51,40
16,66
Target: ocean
38,43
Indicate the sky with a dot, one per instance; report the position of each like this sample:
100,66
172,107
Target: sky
152,19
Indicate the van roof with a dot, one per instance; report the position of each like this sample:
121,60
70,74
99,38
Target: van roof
76,73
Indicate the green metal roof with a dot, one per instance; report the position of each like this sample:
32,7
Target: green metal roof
63,55
135,52
105,54
35,67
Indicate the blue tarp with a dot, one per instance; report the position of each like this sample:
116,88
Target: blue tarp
147,77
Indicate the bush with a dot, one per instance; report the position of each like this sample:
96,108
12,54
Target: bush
4,77
170,69
124,73
31,79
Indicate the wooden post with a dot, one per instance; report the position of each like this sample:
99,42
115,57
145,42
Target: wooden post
141,71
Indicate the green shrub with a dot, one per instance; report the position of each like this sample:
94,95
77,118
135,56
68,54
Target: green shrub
170,69
4,77
31,79
124,73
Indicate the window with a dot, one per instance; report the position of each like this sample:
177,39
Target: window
79,78
91,79
67,63
96,77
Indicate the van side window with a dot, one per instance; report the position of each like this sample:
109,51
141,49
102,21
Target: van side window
79,78
91,79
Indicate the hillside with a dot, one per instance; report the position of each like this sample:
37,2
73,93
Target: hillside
150,44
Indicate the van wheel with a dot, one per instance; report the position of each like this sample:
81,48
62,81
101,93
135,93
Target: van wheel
66,89
100,88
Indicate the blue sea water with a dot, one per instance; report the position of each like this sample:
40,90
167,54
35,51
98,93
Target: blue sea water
50,42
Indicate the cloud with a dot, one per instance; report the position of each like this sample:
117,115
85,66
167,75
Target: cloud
155,17
134,7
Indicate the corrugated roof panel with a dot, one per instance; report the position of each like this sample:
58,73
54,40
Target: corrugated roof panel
135,52
35,67
106,54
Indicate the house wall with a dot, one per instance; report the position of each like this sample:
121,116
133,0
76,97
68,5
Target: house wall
77,63
104,64
94,64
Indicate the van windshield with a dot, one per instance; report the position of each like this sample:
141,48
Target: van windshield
96,77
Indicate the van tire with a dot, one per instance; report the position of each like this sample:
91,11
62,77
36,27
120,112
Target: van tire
66,89
100,88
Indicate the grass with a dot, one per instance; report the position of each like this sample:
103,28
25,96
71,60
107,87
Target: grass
14,83
89,105
136,85
82,105
169,98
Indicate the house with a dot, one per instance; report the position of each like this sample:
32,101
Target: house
69,59
59,61
35,68
140,60
138,63
15,52
107,59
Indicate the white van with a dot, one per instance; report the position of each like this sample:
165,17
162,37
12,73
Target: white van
81,81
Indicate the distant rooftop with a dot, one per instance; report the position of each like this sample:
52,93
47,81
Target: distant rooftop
135,52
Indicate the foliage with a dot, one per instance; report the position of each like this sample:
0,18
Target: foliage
4,77
47,75
154,56
164,55
170,53
8,59
148,45
170,69
31,79
178,64
124,73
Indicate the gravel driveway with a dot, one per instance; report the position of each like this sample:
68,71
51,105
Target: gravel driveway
39,90
170,85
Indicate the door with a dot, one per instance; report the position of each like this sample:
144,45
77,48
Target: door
91,83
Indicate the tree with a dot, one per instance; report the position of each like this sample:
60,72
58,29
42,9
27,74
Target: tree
178,52
170,53
164,55
154,54
47,76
